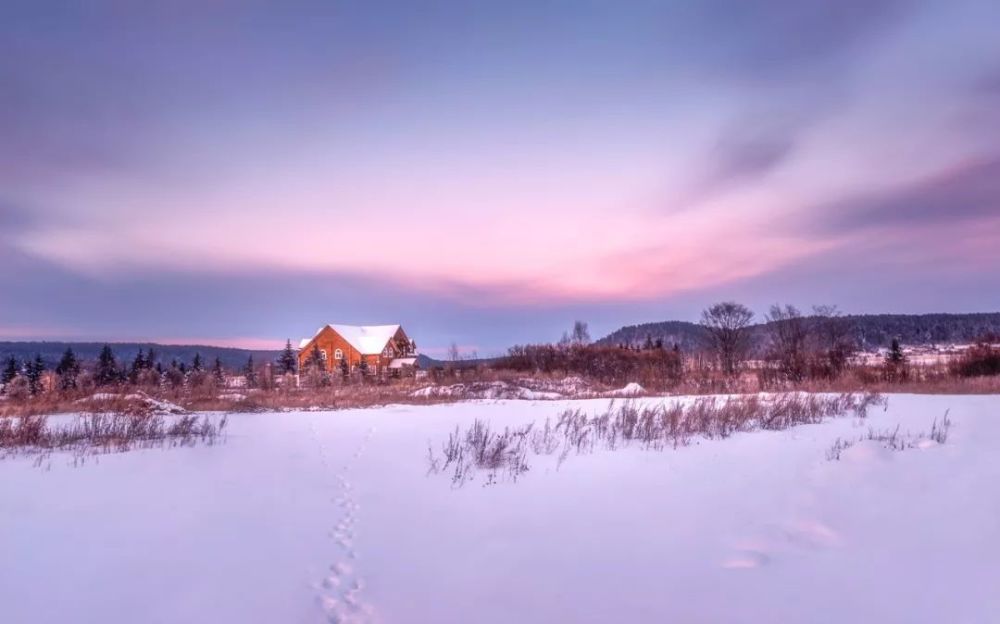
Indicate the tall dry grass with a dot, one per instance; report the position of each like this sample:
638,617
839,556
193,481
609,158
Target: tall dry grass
106,431
504,453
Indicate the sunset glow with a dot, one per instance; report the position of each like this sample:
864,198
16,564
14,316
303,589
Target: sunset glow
560,164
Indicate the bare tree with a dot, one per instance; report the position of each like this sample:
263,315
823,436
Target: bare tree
789,334
581,334
835,343
579,337
727,324
454,354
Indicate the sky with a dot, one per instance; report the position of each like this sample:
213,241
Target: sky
240,173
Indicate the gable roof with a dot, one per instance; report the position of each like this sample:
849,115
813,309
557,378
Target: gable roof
367,339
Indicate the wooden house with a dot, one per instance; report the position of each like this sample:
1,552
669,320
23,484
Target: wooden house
377,345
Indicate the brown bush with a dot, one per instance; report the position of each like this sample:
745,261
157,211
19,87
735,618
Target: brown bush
653,368
980,360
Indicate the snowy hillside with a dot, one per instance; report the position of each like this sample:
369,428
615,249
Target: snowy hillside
333,517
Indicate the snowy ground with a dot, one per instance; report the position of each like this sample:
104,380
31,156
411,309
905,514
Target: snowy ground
309,517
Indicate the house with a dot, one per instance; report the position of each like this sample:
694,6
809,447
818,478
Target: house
381,347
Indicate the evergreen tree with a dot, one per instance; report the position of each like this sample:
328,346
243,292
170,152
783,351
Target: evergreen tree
316,360
174,376
196,364
33,371
138,365
182,367
363,367
287,361
250,374
68,370
345,368
107,368
9,372
150,359
218,372
895,355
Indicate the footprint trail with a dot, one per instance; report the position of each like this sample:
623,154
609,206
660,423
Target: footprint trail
341,592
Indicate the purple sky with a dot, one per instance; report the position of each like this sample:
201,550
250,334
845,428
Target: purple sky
242,172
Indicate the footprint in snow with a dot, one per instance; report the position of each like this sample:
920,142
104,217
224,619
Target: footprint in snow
341,593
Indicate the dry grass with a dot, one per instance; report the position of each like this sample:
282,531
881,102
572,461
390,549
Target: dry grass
503,454
129,400
931,379
894,439
106,432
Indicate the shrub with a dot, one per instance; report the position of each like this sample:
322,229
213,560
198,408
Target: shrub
980,360
652,367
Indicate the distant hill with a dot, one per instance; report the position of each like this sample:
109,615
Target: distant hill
871,331
687,336
426,362
232,358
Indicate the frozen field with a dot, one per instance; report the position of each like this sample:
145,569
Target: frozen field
318,517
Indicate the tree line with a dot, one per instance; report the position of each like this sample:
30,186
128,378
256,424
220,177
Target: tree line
788,346
71,373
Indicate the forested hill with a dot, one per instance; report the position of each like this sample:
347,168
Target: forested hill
232,358
125,352
871,330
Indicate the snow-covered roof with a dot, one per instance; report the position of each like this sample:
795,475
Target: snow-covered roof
401,362
367,339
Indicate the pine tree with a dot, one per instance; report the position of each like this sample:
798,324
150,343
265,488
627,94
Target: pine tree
895,355
287,361
151,359
107,368
345,368
218,372
316,360
250,374
9,372
33,371
138,365
68,370
196,364
174,375
363,367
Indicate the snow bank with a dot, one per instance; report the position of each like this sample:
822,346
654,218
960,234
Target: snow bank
485,390
140,399
330,516
630,390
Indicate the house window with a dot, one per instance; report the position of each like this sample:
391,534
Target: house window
338,354
322,354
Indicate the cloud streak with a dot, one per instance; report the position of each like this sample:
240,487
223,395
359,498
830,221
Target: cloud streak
483,173
969,191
